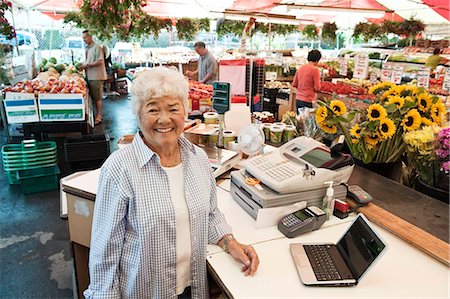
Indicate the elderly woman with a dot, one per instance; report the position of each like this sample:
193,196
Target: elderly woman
156,206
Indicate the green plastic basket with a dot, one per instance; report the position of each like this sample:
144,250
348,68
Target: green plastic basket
12,177
28,155
39,179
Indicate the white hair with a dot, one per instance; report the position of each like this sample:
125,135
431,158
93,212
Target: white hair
156,83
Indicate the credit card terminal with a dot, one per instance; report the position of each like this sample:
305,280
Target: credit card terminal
302,221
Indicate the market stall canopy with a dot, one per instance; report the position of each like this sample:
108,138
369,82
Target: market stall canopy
429,11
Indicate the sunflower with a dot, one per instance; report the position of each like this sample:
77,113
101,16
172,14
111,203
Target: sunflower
387,128
355,133
338,107
330,129
321,114
376,112
425,121
398,101
372,139
411,121
424,100
408,91
380,87
437,111
387,94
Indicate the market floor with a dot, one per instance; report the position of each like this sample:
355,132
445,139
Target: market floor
35,255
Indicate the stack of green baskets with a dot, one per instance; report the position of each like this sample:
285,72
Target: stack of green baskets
33,165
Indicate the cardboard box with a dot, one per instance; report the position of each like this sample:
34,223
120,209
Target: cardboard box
80,214
20,107
61,107
80,256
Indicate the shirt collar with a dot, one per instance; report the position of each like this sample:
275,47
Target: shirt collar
145,154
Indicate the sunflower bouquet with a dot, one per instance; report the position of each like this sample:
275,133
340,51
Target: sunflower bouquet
375,134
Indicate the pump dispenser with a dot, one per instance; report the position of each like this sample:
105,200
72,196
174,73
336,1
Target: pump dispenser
328,200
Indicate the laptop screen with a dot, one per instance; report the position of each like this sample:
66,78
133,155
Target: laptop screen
360,246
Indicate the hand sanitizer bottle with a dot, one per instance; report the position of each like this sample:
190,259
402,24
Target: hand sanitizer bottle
328,200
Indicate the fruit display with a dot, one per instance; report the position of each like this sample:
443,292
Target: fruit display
359,82
200,96
277,84
341,88
50,68
53,85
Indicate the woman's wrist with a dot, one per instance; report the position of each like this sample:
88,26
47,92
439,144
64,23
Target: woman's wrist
225,241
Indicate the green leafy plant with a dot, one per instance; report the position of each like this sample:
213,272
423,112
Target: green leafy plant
411,28
367,31
329,32
310,31
187,28
227,27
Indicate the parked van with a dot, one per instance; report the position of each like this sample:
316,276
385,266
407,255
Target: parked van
27,42
74,49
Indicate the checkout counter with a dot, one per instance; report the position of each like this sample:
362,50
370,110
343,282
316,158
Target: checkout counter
404,270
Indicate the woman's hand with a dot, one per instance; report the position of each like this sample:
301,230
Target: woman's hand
245,254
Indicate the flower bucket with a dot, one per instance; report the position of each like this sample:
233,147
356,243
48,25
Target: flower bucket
392,170
439,194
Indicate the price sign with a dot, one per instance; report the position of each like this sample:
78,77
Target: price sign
423,77
446,83
343,66
397,74
373,77
361,66
386,72
271,76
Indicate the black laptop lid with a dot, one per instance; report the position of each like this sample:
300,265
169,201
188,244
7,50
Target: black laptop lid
359,247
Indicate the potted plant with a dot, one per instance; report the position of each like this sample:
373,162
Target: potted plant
310,31
329,32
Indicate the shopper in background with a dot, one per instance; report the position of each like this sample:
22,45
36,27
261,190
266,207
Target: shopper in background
307,81
156,206
206,65
434,60
95,73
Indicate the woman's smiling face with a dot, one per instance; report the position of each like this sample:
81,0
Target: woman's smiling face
162,122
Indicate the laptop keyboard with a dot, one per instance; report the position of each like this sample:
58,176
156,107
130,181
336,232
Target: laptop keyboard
322,263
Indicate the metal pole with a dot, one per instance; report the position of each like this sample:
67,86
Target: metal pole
14,25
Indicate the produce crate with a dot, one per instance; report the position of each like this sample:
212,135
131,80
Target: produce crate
12,177
38,179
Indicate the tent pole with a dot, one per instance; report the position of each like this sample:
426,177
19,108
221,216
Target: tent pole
14,26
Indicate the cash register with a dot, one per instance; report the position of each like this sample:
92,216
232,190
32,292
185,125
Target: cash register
294,172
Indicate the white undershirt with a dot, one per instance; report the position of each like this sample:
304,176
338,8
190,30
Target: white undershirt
183,232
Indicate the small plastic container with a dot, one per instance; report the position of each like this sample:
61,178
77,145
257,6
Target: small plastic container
289,133
211,117
228,136
266,128
276,134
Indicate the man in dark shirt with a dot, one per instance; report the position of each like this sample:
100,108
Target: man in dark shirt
206,65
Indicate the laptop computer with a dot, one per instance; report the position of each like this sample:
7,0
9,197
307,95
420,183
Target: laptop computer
341,264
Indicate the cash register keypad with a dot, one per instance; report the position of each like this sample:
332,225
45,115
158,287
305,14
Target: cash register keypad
290,221
283,172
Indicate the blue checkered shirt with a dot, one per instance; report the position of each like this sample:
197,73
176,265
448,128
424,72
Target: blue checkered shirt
133,244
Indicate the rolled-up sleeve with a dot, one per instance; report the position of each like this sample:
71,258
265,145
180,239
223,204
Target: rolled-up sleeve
108,231
212,66
218,227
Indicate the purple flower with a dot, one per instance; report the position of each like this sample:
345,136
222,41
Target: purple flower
446,166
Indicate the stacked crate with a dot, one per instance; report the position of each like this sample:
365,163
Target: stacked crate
33,165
